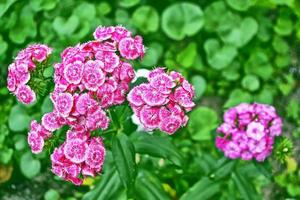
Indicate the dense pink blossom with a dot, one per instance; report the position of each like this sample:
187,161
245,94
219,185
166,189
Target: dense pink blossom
78,157
36,137
90,78
163,102
25,94
19,72
249,131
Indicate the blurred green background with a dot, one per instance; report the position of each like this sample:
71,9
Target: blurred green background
231,50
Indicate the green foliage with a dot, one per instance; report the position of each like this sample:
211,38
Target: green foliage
232,51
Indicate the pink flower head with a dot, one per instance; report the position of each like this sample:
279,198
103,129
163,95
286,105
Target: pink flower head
63,103
163,102
25,94
51,121
73,72
110,59
36,142
131,48
103,33
78,158
126,72
95,155
120,33
97,119
19,72
93,76
170,124
84,103
149,117
248,131
75,150
153,97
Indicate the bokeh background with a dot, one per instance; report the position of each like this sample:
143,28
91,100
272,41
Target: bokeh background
231,50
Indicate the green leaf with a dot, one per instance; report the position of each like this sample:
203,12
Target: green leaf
146,19
202,190
245,188
24,28
128,3
147,144
5,5
149,187
38,5
51,194
30,167
261,59
224,170
219,57
3,45
187,56
242,33
241,5
250,82
236,97
47,105
18,118
124,156
85,11
182,19
199,84
202,121
20,142
6,155
108,188
65,27
153,54
284,26
280,45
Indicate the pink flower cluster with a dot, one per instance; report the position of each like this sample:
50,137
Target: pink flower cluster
96,68
19,71
249,131
79,156
90,78
163,102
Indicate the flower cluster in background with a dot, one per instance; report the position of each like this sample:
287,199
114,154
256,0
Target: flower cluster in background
249,131
163,102
90,78
19,72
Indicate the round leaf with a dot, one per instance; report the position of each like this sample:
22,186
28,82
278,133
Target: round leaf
30,167
181,20
146,19
250,82
202,121
18,119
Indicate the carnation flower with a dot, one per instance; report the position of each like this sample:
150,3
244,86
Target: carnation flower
19,72
249,131
78,158
163,102
25,94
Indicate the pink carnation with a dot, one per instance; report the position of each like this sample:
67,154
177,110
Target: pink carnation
19,71
51,121
163,102
36,142
93,76
25,94
73,72
131,48
249,131
74,150
63,104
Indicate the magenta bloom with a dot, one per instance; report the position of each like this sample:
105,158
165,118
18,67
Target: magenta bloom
19,71
78,157
163,102
36,137
249,131
25,94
